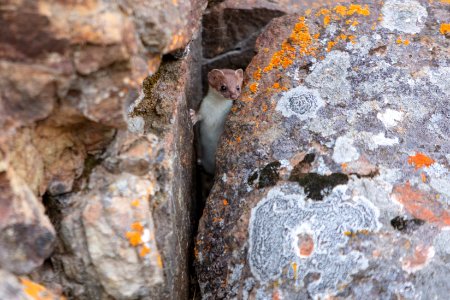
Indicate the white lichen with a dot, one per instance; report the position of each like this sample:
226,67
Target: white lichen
403,16
300,102
278,219
329,76
344,151
390,117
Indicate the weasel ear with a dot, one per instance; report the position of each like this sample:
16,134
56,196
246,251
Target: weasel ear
214,75
239,73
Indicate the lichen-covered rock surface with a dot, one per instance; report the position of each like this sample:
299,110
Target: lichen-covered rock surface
333,172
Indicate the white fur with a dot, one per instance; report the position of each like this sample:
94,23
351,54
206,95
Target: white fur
213,111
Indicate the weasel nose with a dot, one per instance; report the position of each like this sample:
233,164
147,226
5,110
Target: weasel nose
234,97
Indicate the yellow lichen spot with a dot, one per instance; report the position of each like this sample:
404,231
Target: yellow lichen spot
355,23
308,11
348,233
159,261
424,177
358,9
363,231
144,251
257,74
316,36
323,12
137,226
35,290
135,203
330,45
225,202
445,28
406,42
134,238
341,9
326,20
445,1
295,269
399,41
253,87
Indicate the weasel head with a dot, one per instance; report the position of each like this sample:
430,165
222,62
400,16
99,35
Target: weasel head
227,82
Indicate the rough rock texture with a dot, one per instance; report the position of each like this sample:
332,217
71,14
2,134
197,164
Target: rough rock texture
69,71
230,28
333,173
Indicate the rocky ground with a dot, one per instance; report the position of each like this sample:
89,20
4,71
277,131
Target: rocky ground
333,176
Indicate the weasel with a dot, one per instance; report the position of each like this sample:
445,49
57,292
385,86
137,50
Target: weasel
224,87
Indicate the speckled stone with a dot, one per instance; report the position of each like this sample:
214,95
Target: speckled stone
347,108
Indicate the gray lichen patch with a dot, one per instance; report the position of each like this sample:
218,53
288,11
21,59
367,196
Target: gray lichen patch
330,77
344,150
404,16
300,102
440,77
281,220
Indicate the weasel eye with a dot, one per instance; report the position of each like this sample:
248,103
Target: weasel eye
238,88
223,88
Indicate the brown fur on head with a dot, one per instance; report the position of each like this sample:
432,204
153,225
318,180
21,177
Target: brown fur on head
227,82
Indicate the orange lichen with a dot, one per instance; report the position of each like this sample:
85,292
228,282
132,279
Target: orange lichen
424,177
295,270
257,74
225,202
134,238
144,251
406,42
137,226
344,166
264,107
401,41
326,20
238,139
445,28
37,291
135,203
300,37
420,160
276,85
253,87
159,261
330,45
421,205
358,9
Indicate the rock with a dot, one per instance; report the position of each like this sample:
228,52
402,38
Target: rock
332,171
26,234
230,29
127,233
69,74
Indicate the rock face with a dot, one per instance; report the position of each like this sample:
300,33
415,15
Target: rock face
230,29
333,172
117,192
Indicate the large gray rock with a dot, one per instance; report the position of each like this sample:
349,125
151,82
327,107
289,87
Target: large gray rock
333,171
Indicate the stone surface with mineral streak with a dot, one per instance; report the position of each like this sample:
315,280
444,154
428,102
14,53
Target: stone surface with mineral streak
335,165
